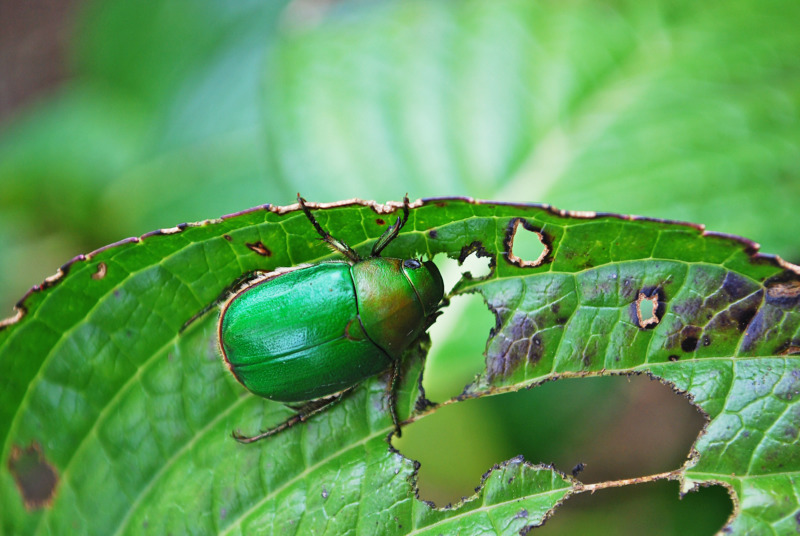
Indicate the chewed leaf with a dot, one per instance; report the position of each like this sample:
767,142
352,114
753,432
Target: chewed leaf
131,415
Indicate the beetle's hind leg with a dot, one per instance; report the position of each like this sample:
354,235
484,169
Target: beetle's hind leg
304,412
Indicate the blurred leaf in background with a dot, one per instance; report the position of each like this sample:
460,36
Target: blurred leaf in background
187,110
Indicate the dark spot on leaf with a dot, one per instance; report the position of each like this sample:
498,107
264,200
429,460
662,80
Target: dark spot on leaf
116,293
102,269
743,317
690,338
689,344
522,514
260,248
324,493
673,357
223,513
440,204
433,233
227,237
578,469
36,479
380,221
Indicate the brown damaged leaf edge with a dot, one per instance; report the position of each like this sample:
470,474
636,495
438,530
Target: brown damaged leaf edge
35,478
21,309
750,247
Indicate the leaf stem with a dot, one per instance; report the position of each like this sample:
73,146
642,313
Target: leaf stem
675,474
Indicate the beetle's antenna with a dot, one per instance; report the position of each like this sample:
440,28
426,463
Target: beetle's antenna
393,230
334,243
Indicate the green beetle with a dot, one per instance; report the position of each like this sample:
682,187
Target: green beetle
307,336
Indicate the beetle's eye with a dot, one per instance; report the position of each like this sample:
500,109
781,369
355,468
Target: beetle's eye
412,263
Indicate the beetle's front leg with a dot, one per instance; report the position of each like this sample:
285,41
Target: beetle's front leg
304,412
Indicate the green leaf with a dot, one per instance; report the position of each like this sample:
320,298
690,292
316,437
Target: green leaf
133,416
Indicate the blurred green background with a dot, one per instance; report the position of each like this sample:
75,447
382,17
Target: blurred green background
118,119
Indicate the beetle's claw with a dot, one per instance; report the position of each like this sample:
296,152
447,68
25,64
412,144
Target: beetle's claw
243,439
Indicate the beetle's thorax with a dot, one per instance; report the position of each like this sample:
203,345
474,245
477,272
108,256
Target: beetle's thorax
388,304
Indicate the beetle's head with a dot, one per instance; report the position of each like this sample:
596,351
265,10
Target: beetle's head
427,282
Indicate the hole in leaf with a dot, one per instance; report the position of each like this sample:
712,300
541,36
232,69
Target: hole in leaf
459,335
458,339
652,508
619,427
476,266
647,309
526,245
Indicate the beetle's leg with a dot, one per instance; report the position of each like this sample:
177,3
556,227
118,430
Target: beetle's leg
391,397
431,318
334,243
391,233
304,413
221,298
